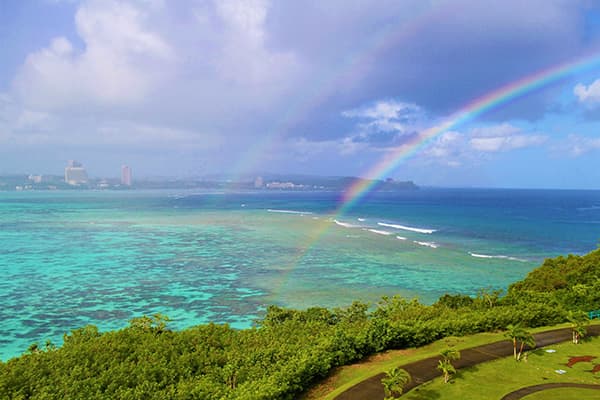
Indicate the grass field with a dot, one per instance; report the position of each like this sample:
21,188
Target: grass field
494,379
564,394
345,377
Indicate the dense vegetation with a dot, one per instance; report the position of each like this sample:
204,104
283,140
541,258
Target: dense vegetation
573,281
289,349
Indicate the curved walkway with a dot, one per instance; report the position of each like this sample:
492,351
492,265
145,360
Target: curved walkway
425,370
517,394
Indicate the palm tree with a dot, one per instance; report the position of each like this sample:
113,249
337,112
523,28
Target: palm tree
394,382
526,339
579,321
514,333
445,364
447,369
450,354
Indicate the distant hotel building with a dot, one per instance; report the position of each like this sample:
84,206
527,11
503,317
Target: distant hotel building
35,178
125,175
75,173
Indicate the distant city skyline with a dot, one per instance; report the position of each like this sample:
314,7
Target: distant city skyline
445,93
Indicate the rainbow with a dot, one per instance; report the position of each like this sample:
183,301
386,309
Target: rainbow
467,113
470,112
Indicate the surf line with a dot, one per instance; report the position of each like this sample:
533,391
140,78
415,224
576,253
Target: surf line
472,110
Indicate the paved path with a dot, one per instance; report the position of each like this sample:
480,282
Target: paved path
517,394
425,370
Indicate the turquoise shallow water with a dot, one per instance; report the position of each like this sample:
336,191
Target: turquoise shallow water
73,258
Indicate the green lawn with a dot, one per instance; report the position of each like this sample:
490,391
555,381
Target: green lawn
494,379
565,394
345,377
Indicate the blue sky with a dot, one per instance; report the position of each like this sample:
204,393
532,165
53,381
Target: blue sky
242,87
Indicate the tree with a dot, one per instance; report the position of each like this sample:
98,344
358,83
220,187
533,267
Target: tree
394,382
157,322
488,296
445,364
579,322
526,339
447,369
513,332
517,334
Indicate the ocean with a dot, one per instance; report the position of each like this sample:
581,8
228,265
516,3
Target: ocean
72,258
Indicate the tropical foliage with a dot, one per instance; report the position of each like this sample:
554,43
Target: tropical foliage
394,382
579,321
519,338
288,349
445,363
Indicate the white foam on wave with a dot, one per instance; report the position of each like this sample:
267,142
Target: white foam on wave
502,257
400,238
380,232
408,228
288,211
361,219
426,244
345,224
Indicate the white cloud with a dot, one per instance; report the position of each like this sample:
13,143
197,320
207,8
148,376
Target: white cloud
448,144
382,109
120,63
385,111
499,130
577,145
242,57
503,137
506,143
589,95
455,148
385,123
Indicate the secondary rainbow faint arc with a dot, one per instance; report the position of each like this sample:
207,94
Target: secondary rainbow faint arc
469,112
316,93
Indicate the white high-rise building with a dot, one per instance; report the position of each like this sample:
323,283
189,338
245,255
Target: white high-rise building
75,174
125,175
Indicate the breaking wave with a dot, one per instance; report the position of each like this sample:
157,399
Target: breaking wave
345,224
408,228
427,244
380,232
288,211
502,257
